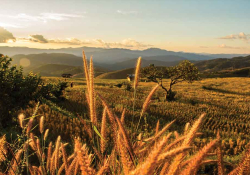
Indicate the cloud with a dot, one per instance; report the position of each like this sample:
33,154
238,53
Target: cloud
44,17
10,25
126,43
6,36
38,38
127,12
224,46
42,39
70,41
240,36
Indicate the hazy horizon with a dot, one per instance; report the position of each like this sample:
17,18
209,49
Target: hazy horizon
215,27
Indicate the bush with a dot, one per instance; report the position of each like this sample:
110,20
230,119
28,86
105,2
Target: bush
17,90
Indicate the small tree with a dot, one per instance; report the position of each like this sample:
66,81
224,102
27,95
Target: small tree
185,71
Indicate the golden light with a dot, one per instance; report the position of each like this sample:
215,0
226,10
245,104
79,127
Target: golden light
10,41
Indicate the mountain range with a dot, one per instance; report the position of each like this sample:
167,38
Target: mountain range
112,55
54,62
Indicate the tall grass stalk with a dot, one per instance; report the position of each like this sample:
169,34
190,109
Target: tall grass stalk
136,81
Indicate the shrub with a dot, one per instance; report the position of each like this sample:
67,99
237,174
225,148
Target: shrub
17,90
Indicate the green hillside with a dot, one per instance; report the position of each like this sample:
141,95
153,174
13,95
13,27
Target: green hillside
222,64
56,70
120,74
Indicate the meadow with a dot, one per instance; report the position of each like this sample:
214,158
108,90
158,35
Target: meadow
222,104
224,100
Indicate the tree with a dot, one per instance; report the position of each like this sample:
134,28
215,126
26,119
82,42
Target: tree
17,90
184,71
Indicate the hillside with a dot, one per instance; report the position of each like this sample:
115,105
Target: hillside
52,58
222,64
120,74
56,70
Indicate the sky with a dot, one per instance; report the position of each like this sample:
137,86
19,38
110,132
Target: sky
207,26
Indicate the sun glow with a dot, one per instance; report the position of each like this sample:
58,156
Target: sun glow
10,41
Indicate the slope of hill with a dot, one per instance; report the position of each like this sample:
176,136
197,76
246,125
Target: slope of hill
52,58
56,70
222,64
120,74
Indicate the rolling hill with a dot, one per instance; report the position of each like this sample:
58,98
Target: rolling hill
56,70
52,58
120,74
222,64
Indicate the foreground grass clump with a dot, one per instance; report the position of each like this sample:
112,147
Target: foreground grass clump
110,148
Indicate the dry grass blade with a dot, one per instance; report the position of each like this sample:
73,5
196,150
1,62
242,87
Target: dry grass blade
15,162
71,166
193,166
76,167
46,134
63,165
187,125
84,161
147,101
123,116
157,127
29,127
151,161
174,143
137,72
173,152
244,166
58,143
65,158
103,131
126,161
21,120
187,141
160,133
105,168
41,125
3,148
49,156
111,117
193,130
85,63
126,139
92,93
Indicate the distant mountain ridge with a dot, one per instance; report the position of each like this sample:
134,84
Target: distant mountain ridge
156,60
103,55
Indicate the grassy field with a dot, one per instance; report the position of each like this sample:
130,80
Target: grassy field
224,100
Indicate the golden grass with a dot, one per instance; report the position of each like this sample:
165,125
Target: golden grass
160,152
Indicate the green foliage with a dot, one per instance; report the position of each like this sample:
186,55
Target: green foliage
185,71
17,90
